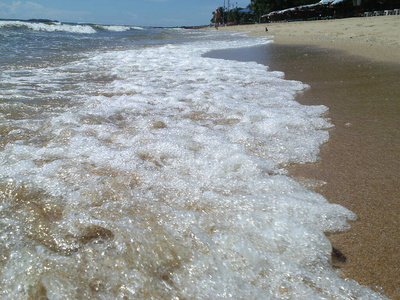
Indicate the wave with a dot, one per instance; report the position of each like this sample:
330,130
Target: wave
116,27
49,27
165,178
74,28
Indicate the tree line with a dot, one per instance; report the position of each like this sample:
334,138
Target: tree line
261,7
237,15
258,8
255,10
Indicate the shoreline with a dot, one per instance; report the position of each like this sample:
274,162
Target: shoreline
374,38
360,162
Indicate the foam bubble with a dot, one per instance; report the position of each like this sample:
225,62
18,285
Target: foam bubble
166,178
117,28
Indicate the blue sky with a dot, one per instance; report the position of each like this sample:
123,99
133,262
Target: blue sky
128,12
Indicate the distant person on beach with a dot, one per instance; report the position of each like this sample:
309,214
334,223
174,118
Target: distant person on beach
217,18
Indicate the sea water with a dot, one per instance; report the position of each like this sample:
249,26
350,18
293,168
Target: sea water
134,167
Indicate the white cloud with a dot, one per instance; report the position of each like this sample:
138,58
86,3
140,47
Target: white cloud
33,10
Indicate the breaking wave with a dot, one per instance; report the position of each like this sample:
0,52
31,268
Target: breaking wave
57,26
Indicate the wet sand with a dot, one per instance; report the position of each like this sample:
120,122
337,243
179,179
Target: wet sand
361,162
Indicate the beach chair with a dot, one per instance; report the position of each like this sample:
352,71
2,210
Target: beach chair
388,12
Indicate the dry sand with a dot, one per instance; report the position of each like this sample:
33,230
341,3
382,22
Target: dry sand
355,71
376,38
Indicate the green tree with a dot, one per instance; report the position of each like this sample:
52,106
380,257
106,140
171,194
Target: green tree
261,7
234,16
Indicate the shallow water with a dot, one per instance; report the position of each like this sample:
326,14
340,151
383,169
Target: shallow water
360,163
146,170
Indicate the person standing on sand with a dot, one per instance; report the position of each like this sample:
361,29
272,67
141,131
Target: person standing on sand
217,18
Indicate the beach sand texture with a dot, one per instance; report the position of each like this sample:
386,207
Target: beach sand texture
361,162
376,38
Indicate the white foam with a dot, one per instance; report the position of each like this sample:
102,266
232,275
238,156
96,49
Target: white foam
115,27
170,179
49,27
74,28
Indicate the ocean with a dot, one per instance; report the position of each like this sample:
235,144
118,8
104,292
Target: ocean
132,166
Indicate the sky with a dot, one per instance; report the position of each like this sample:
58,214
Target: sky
119,12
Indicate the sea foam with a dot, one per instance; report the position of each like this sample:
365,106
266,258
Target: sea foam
49,27
165,177
73,28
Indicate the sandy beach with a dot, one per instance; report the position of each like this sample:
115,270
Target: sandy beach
375,38
354,71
